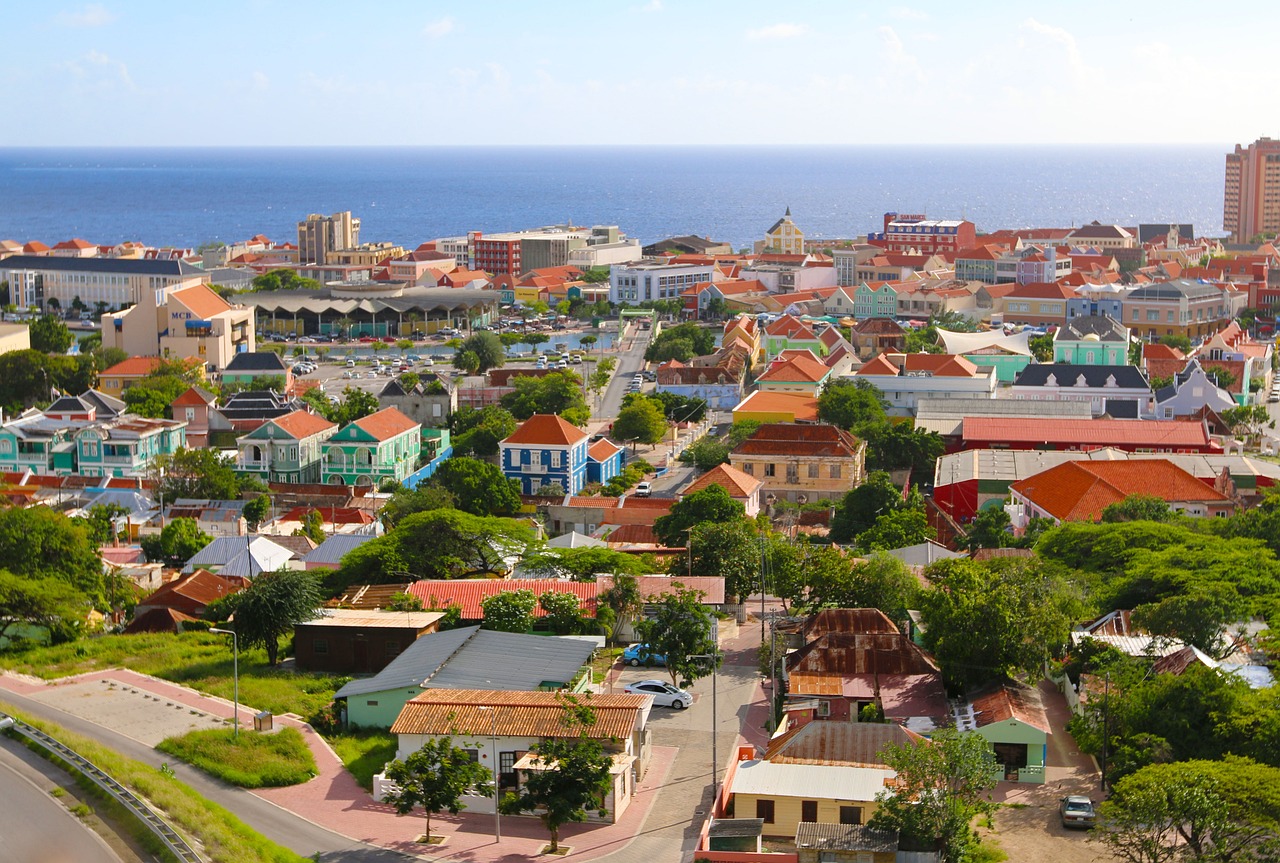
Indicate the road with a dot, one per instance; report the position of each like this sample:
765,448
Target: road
35,826
630,357
277,824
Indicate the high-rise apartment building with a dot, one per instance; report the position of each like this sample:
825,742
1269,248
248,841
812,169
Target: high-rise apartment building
1251,196
319,235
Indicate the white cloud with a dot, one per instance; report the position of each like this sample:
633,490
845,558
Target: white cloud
898,60
652,6
906,13
777,31
1064,38
93,15
436,29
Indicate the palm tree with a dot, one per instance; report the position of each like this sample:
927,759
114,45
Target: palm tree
345,323
414,319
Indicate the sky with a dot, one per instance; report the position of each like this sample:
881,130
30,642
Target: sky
635,72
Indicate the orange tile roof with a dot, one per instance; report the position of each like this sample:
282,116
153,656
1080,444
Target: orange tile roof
803,408
514,714
133,367
728,477
194,397
1081,490
546,429
386,424
302,424
603,449
202,301
796,369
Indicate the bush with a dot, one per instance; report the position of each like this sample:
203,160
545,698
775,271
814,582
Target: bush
251,761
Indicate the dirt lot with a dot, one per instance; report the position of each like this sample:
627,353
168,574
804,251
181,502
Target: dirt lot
1033,834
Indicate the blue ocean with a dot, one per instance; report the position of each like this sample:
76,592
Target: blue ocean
185,197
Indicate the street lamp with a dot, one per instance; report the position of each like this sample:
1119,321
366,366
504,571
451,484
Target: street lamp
715,714
497,816
235,676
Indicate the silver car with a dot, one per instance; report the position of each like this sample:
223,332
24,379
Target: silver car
1077,811
664,694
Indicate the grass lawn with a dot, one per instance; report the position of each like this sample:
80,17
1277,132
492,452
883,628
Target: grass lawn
364,753
251,761
604,659
195,659
226,839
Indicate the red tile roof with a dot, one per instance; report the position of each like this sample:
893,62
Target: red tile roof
653,586
728,477
386,424
191,593
546,429
805,369
633,534
1081,490
331,514
1160,434
1043,290
469,593
133,367
194,397
799,440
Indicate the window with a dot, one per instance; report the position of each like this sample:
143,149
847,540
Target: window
191,414
809,810
850,814
813,471
824,707
371,704
320,645
392,648
764,809
473,755
835,471
769,470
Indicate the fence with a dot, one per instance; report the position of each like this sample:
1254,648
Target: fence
126,798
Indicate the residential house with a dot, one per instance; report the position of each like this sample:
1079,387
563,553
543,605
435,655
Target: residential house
1161,362
1094,298
115,380
878,335
545,450
794,371
242,556
213,517
745,331
358,641
1011,717
331,520
382,447
1232,348
812,462
1055,433
770,407
1039,304
1177,307
511,725
430,402
1092,340
1007,354
717,378
1116,390
466,658
258,370
600,516
286,449
605,460
436,449
194,407
180,601
1081,490
69,438
244,412
329,554
742,487
905,379
1190,392
790,333
925,299
876,300
840,303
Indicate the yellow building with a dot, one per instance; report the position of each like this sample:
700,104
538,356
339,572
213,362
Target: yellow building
768,407
784,237
815,462
366,255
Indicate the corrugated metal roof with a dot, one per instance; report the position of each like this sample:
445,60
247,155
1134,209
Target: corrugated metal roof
471,657
518,714
845,837
333,549
809,780
369,618
838,744
847,620
849,653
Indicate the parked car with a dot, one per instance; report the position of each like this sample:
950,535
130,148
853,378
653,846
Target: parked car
1077,811
371,374
644,489
351,364
639,654
664,694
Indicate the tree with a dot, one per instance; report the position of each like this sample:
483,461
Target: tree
102,522
50,335
563,612
623,598
510,611
178,542
436,777
740,431
581,564
283,280
897,445
466,361
312,526
406,501
990,529
1199,617
199,473
705,453
487,348
587,341
678,628
41,543
896,528
641,421
850,404
556,393
1223,375
1181,342
1139,507
478,432
256,511
1041,348
678,408
477,487
861,506
938,791
270,607
356,404
711,504
571,775
884,582
48,602
730,549
1248,421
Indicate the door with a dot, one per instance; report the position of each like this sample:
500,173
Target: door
359,655
506,770
809,811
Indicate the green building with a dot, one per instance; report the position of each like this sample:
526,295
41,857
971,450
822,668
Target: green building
1092,340
286,449
1011,718
384,445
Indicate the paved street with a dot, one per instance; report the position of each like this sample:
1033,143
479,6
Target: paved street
630,356
35,826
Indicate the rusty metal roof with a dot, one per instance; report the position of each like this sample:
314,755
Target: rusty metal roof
850,620
852,744
846,653
518,714
1009,700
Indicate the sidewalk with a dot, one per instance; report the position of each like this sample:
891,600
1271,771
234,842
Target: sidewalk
334,801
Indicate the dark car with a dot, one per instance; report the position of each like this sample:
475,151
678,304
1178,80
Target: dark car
1077,811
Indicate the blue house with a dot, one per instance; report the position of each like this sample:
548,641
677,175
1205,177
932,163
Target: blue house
604,460
546,450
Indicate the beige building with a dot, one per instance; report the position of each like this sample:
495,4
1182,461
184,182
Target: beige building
1251,192
14,337
366,255
319,235
810,461
35,280
191,323
1179,307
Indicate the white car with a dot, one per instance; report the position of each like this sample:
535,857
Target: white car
644,489
664,694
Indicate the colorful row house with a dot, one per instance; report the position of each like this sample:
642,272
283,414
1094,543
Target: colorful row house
546,450
386,445
286,449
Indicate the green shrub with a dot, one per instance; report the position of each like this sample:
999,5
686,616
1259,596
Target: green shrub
251,761
364,753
